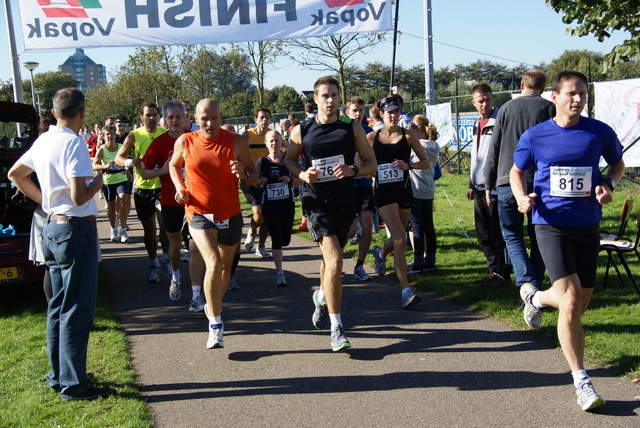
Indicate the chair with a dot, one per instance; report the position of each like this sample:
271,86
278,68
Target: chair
620,247
625,214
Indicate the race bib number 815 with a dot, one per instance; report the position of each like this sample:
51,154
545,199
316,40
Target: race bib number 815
570,181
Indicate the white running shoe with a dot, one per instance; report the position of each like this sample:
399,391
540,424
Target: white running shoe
588,398
174,291
262,252
248,243
359,274
532,315
215,336
124,238
114,235
197,304
410,298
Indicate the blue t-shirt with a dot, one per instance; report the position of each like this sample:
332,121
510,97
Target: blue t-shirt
567,169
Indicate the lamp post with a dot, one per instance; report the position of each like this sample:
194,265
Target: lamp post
38,92
31,65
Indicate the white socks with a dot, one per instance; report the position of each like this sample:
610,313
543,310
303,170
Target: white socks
579,377
195,291
535,300
335,319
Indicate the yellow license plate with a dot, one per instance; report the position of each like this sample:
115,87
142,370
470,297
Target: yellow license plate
9,274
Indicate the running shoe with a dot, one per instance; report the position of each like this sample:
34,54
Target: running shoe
320,314
262,252
248,243
588,398
185,257
532,315
338,341
114,235
410,298
215,336
127,228
379,262
355,240
359,274
124,238
197,304
215,331
153,275
233,285
174,291
280,280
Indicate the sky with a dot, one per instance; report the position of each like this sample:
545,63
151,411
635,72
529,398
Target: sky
508,32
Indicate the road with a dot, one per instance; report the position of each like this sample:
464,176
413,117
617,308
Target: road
435,365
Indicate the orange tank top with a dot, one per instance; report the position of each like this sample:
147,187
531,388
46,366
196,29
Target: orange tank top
212,187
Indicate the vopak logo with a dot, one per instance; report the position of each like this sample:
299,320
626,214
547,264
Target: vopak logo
342,3
68,8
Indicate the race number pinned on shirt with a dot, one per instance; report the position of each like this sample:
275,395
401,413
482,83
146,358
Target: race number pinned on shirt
326,166
276,191
224,224
389,173
570,181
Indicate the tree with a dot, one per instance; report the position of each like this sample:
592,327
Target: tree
332,53
6,90
262,55
287,100
239,105
584,61
600,19
49,82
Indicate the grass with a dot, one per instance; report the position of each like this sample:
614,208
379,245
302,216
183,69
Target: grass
25,397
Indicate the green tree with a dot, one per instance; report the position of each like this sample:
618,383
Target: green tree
6,90
238,105
287,100
600,18
584,61
49,82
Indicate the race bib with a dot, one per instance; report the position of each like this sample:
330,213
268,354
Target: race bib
570,181
389,173
224,224
277,191
326,166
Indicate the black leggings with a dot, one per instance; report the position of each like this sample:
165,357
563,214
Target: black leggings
278,216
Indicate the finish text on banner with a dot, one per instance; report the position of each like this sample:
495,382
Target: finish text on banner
59,24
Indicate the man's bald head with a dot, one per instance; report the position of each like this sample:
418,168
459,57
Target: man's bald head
208,116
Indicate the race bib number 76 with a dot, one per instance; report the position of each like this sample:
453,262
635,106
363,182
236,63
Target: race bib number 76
326,166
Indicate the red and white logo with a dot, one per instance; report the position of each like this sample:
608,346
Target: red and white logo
62,8
342,3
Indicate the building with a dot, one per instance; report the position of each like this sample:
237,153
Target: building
85,70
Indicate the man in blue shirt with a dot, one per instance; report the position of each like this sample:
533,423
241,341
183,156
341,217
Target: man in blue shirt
566,204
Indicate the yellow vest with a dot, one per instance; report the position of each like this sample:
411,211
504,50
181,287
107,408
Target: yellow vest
257,146
143,141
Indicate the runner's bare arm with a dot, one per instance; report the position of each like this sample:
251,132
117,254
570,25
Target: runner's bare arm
365,151
123,153
291,158
415,145
518,187
243,166
175,171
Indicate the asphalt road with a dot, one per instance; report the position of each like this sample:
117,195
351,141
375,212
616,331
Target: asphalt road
435,365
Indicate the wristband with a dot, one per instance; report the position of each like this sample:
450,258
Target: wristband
356,169
128,163
611,183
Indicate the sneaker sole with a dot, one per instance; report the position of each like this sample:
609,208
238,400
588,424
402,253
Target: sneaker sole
594,405
215,346
414,301
192,309
341,347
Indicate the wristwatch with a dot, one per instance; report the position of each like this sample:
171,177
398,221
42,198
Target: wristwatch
356,169
410,165
246,176
611,183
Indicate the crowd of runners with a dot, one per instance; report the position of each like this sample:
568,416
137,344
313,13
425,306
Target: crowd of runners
186,178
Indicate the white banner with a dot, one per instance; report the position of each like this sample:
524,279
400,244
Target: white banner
59,24
440,116
618,105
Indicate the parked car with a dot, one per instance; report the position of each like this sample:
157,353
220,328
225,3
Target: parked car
18,130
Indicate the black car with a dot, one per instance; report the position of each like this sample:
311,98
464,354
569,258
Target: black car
18,130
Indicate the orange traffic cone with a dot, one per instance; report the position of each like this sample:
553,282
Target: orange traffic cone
303,224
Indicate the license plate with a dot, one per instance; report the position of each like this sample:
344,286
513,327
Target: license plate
9,274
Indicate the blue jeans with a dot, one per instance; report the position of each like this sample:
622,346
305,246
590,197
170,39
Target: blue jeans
71,254
511,223
422,225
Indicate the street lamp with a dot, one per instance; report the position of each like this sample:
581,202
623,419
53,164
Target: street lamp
31,65
38,92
